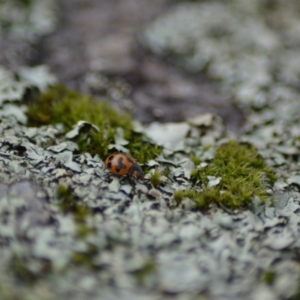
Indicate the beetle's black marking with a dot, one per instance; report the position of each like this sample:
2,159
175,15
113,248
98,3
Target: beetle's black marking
136,172
120,165
109,164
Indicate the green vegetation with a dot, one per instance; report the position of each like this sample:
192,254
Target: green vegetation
196,160
24,2
166,172
179,195
268,277
62,105
145,271
155,178
242,173
69,203
18,266
86,258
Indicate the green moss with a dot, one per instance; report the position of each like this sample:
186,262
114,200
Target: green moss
166,172
24,2
268,277
19,268
147,270
65,106
84,230
179,195
69,203
155,178
62,105
196,160
243,172
140,148
86,258
10,293
297,294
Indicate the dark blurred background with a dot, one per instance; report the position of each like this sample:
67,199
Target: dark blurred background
96,47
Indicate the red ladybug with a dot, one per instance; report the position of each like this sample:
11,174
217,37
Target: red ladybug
123,164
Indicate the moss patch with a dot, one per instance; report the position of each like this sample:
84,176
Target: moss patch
62,105
24,2
148,269
155,178
196,160
242,171
268,277
179,195
18,266
69,203
85,259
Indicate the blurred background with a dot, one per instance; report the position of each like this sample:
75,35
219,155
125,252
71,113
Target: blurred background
163,60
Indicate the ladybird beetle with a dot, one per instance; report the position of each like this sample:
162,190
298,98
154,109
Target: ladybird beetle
123,164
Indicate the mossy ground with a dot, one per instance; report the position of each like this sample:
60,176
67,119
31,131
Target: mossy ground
62,105
69,203
19,267
24,2
156,178
243,175
268,277
148,269
241,168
